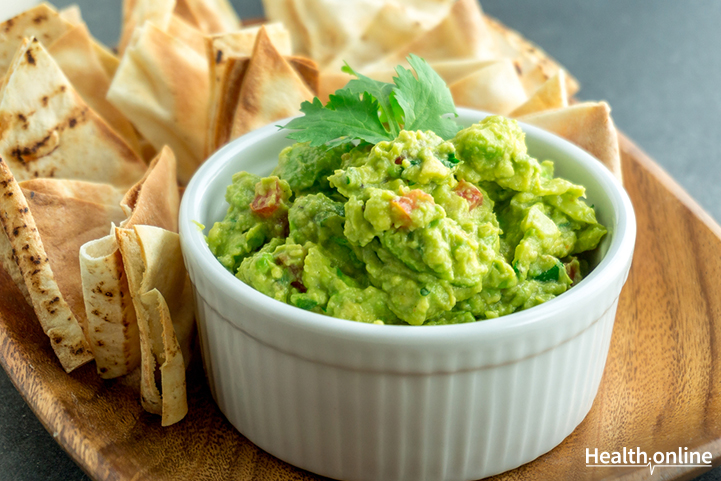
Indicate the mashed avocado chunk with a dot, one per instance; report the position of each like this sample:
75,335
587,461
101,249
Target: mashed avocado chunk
416,230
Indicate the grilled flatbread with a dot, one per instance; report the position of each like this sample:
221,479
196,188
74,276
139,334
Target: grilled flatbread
137,12
534,65
163,304
225,53
45,233
495,88
551,95
174,115
209,16
154,200
47,130
463,34
42,22
588,125
77,58
271,89
395,25
112,325
106,57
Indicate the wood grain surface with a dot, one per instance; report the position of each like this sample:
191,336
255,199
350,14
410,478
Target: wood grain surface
661,388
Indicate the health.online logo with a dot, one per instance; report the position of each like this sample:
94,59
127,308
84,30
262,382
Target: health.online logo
633,459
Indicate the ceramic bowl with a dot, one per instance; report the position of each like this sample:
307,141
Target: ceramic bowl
359,401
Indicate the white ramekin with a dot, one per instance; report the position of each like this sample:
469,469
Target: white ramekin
365,402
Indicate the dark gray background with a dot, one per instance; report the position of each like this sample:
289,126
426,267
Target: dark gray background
656,63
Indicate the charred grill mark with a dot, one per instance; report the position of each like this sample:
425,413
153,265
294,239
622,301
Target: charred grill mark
219,57
45,100
40,18
25,155
29,56
73,123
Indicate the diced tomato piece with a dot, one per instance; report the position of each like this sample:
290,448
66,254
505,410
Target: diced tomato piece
471,193
266,204
402,207
406,204
417,196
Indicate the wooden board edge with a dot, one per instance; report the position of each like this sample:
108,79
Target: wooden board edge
627,146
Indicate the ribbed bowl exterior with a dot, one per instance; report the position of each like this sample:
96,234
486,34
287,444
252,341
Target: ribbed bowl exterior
366,424
354,401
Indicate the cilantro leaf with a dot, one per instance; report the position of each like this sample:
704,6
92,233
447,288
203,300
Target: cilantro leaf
382,92
345,118
425,100
372,111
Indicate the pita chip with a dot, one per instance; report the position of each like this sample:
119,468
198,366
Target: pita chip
396,25
495,88
47,130
271,89
75,55
104,194
72,14
331,26
329,82
451,71
175,115
534,65
112,331
137,12
187,33
45,233
154,200
41,21
551,95
210,16
307,69
588,125
106,57
222,110
463,34
225,53
158,286
112,326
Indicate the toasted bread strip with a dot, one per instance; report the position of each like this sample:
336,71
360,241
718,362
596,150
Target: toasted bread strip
51,308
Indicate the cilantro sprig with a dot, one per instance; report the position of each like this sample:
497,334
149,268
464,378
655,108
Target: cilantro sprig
373,111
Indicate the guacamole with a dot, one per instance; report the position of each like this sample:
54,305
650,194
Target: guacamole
417,230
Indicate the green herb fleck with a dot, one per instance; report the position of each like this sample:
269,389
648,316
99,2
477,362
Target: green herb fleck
549,275
305,303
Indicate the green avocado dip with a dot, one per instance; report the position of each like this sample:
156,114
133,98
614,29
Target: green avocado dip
415,230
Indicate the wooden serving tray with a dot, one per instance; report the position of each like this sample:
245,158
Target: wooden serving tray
661,389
